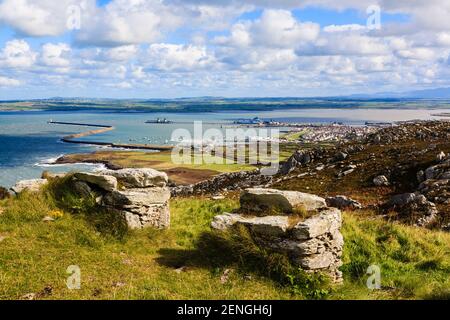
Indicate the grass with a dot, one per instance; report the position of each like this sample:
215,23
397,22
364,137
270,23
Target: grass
34,257
294,136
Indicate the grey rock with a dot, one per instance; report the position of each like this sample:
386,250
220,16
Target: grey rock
412,208
48,219
441,156
81,188
317,261
340,156
263,200
137,197
105,182
269,226
420,176
132,220
225,221
328,221
139,178
33,185
380,181
343,202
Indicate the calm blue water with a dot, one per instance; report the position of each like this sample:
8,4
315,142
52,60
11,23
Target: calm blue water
27,142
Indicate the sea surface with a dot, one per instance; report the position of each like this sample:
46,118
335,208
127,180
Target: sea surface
28,143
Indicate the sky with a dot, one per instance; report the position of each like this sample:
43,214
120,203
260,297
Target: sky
227,48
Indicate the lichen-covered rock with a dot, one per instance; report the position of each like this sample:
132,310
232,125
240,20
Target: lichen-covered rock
317,261
269,226
105,182
156,215
33,185
314,244
328,221
138,178
343,202
225,221
137,197
380,181
260,200
143,198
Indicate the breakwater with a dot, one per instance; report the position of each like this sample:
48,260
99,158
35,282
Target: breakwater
73,138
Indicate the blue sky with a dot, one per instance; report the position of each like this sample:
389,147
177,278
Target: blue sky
173,48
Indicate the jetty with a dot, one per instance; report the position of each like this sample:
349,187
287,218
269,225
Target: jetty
73,138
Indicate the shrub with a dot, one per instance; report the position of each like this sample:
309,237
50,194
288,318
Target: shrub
4,193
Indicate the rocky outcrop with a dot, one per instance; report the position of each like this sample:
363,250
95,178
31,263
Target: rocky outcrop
436,182
138,178
262,200
33,185
141,196
315,243
224,182
105,182
343,202
412,208
303,158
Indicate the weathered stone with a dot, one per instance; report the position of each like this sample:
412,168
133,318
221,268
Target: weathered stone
157,215
314,244
52,175
133,220
343,202
81,188
48,219
139,178
295,248
137,197
225,221
317,261
271,226
380,181
264,200
441,156
33,185
340,156
105,182
328,221
420,176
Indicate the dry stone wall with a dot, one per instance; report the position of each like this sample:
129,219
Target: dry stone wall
141,196
314,243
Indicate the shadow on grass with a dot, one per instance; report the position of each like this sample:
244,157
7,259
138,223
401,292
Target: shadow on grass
216,251
226,249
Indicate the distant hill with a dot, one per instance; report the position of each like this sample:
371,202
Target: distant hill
438,93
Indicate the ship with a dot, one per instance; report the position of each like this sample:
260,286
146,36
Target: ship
159,121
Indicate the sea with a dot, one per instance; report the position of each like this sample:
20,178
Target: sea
29,144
